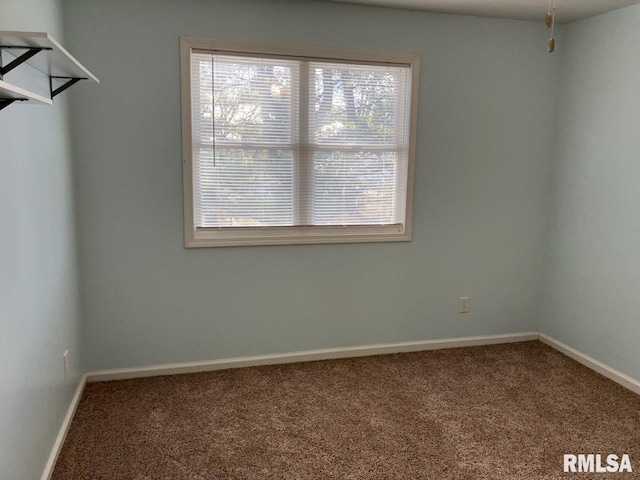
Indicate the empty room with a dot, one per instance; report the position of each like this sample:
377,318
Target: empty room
319,239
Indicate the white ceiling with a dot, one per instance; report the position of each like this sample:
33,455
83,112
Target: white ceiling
535,10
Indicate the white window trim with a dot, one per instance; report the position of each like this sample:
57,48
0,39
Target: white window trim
235,236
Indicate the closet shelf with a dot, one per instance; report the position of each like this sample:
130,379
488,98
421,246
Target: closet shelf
42,52
10,93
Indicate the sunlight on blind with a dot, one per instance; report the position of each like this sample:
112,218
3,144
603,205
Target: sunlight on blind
257,163
360,140
244,177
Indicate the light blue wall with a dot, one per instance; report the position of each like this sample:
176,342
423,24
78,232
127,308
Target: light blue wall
38,279
593,273
480,196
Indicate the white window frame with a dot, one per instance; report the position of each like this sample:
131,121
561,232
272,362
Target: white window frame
239,236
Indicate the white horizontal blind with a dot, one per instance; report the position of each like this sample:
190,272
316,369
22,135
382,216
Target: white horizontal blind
359,135
243,140
257,163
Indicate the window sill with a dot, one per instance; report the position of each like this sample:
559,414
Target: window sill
249,236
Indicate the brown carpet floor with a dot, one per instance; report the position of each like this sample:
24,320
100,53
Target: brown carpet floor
495,412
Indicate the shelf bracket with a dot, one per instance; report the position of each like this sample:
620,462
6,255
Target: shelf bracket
31,51
5,102
64,86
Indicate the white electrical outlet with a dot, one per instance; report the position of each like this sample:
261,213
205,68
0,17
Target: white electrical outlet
463,305
65,363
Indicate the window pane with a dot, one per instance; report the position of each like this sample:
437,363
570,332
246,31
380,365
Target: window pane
245,187
357,105
252,99
355,188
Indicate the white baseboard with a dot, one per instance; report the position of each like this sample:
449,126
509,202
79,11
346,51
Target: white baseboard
62,434
306,356
618,377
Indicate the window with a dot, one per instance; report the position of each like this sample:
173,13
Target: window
286,145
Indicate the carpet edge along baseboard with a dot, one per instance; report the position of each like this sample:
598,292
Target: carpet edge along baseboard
307,356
